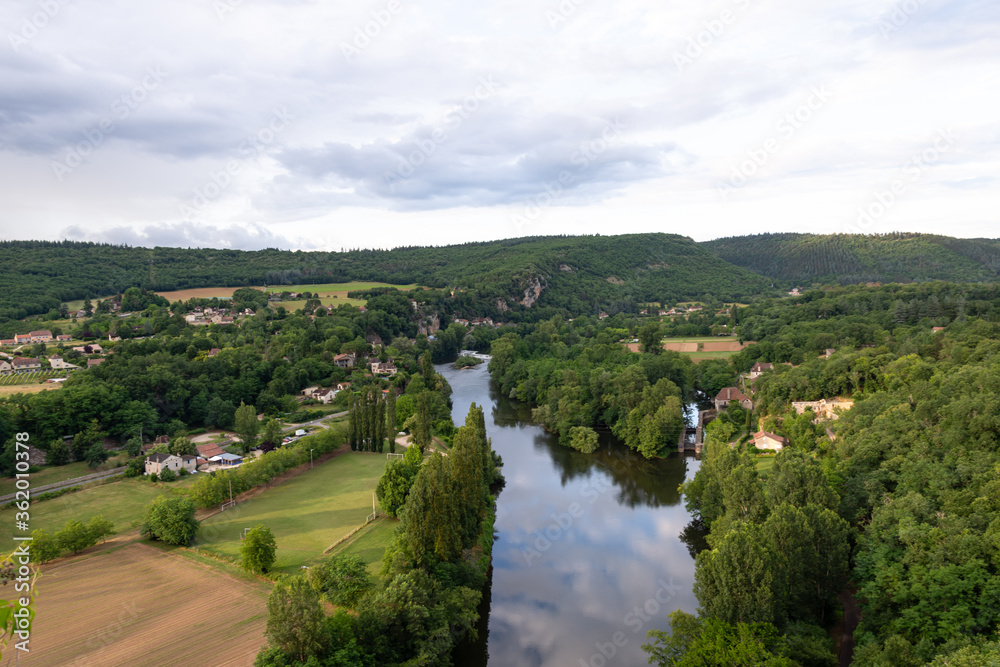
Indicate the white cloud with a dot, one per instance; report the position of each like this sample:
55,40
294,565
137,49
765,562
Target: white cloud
897,73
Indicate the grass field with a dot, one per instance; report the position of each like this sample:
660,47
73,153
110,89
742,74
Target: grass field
765,463
141,605
331,289
200,293
121,502
60,473
306,514
370,543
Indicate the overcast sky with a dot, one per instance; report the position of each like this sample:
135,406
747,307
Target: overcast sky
308,124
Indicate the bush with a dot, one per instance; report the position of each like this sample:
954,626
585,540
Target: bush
95,455
171,520
153,477
167,475
342,580
43,547
183,472
135,467
257,553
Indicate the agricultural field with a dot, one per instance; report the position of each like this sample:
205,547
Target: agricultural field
329,294
9,390
54,474
168,610
307,514
201,293
30,378
121,502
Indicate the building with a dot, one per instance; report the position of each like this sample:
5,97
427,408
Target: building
765,440
759,368
825,410
341,386
207,451
8,341
325,396
91,363
214,351
226,459
43,336
64,338
157,463
383,368
345,360
829,352
22,339
5,368
25,365
57,363
732,394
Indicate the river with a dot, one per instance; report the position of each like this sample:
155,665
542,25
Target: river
588,555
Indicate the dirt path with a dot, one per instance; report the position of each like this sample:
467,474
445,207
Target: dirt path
852,615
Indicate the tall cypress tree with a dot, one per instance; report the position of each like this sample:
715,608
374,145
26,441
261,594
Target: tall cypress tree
390,415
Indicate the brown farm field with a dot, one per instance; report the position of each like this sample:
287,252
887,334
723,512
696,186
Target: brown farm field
8,390
141,605
200,293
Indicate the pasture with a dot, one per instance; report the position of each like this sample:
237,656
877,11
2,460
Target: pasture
53,474
11,389
142,605
370,543
307,514
120,502
201,293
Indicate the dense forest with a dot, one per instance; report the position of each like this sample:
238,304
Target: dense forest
574,275
854,258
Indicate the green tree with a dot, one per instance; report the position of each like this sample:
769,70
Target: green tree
168,475
651,337
258,551
96,455
395,483
431,527
246,425
272,433
171,520
134,446
182,447
295,619
342,580
583,438
734,581
75,536
59,453
710,642
44,547
100,528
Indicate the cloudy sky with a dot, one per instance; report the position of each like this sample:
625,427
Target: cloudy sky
308,124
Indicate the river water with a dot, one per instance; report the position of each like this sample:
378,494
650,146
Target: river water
588,555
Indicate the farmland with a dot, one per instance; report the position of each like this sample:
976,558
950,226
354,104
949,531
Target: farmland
53,474
34,377
200,293
11,389
306,514
701,347
140,605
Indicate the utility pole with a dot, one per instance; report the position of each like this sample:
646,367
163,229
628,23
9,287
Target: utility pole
310,459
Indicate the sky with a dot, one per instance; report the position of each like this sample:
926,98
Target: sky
303,124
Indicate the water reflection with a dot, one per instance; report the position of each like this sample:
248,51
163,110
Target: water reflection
587,544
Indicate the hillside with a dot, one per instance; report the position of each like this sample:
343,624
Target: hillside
579,274
854,258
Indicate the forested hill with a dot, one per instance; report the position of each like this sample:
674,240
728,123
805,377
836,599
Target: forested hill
855,258
579,274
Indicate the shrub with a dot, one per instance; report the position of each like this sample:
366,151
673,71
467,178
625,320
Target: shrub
135,467
171,520
167,475
153,477
183,472
257,553
43,547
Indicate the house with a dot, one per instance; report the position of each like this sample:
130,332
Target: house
91,363
8,341
345,360
795,292
64,338
308,391
341,386
732,394
936,329
57,363
214,351
829,352
766,440
43,336
25,364
157,463
207,451
222,319
6,368
325,396
21,339
824,410
602,316
759,368
383,368
226,459
89,349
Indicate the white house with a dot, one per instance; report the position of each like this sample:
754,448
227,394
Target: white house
766,440
157,463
